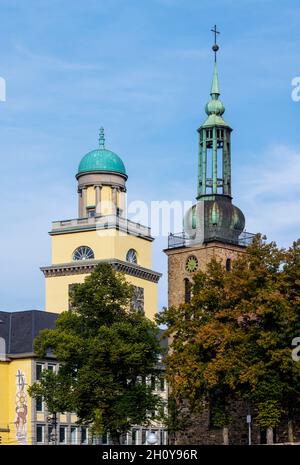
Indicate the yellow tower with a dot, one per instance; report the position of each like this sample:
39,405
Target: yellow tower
101,233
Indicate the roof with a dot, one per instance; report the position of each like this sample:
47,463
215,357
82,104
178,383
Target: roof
101,160
19,329
214,108
214,120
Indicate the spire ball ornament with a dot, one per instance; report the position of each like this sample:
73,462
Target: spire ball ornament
215,47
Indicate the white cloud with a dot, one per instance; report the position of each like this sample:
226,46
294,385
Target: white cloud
270,194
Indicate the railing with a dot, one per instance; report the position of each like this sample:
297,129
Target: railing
246,238
102,222
179,240
182,239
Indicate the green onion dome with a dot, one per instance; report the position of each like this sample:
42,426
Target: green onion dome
215,219
214,107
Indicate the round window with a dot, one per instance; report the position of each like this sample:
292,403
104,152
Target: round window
83,253
131,256
191,264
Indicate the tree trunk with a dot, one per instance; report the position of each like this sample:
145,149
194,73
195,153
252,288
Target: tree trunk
225,435
290,431
270,436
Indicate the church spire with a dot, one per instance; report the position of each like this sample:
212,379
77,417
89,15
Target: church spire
215,92
214,218
215,106
215,82
214,169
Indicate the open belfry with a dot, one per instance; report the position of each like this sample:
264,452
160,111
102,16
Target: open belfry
213,227
101,233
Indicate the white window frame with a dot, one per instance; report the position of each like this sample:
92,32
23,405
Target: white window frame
42,364
54,365
137,432
74,428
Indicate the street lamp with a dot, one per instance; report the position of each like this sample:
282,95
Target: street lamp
151,438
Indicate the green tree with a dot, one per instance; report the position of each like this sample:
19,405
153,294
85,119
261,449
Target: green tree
233,340
106,351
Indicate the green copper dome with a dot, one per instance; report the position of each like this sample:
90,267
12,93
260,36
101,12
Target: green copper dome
215,218
101,159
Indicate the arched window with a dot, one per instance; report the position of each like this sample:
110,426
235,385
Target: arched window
131,256
228,264
187,290
83,253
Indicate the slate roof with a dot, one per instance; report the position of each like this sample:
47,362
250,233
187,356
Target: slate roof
19,329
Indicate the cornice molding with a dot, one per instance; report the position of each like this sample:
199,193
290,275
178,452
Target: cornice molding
88,266
98,222
115,173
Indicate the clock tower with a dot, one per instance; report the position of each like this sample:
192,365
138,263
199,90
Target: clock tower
213,227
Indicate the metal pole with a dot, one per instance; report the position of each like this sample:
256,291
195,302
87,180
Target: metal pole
55,428
249,429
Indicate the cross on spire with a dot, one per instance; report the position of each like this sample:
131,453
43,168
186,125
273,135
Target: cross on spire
215,33
215,47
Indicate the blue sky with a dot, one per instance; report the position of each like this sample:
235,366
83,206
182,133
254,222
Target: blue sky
142,69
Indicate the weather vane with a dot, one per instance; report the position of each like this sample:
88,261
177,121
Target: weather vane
215,47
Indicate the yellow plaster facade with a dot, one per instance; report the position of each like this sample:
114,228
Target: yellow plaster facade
103,228
57,292
105,244
15,411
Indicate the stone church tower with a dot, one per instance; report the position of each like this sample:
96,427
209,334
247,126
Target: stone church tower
213,227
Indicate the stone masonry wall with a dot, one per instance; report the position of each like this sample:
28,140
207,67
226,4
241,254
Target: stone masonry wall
199,430
204,253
